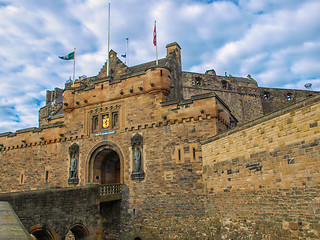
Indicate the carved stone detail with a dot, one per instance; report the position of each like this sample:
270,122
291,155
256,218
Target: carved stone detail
137,145
137,139
73,170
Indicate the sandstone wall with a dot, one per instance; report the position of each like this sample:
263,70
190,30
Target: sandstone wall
168,201
274,99
261,179
241,95
58,210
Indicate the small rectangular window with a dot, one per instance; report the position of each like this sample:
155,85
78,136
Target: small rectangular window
194,153
115,120
21,179
95,123
179,155
47,176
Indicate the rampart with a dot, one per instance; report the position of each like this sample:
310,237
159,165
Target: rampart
262,179
51,213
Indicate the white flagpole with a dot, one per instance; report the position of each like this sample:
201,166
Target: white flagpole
108,40
155,41
74,64
127,53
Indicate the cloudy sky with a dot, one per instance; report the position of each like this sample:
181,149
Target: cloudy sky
276,41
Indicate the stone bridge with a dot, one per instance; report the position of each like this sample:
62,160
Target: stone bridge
55,213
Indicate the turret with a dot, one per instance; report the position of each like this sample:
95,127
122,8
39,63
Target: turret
68,100
159,80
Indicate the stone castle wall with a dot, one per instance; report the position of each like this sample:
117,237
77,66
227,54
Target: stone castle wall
58,210
241,95
268,170
275,99
194,186
172,161
167,202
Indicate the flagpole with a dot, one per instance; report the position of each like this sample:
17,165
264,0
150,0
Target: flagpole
74,64
127,53
108,40
155,32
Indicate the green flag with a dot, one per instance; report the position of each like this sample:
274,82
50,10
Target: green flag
70,56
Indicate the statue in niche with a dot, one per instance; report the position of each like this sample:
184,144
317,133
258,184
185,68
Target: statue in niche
73,168
137,160
137,146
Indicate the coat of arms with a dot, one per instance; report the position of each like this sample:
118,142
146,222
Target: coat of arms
105,121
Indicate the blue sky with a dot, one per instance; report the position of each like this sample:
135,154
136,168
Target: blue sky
276,42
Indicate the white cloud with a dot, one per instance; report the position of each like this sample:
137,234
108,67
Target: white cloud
306,67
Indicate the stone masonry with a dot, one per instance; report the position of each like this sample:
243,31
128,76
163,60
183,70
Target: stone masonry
212,164
269,172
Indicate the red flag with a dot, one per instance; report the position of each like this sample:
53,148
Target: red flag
154,35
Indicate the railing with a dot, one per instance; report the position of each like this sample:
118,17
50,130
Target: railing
110,192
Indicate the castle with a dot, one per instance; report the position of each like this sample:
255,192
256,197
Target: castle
153,152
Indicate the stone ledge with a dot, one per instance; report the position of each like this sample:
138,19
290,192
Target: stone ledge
10,225
138,175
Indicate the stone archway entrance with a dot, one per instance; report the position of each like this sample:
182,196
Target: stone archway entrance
106,167
41,233
77,232
105,164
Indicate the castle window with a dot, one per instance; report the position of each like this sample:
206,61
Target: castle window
179,155
224,84
47,176
115,119
21,179
266,95
194,153
289,96
198,81
95,123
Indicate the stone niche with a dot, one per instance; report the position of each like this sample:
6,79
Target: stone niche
73,169
137,157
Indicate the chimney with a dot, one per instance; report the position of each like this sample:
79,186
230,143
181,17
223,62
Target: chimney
173,46
49,97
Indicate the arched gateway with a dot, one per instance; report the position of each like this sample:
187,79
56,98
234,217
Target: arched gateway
77,231
42,233
105,164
